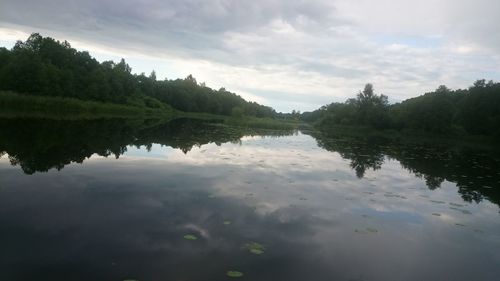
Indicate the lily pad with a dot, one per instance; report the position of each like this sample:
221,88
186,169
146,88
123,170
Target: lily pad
190,237
255,248
234,274
256,251
227,222
436,214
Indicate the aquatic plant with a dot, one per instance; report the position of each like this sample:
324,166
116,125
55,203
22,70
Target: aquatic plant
255,248
190,237
234,274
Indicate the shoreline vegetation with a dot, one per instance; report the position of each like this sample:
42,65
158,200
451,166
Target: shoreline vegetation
45,78
414,138
471,114
16,105
61,108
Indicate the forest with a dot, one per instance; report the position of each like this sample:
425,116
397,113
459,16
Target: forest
42,70
44,67
472,111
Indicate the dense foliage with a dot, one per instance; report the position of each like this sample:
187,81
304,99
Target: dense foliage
474,111
43,66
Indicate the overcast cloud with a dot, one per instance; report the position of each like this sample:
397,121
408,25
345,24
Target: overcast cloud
289,54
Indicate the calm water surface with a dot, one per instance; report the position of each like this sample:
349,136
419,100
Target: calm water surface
114,200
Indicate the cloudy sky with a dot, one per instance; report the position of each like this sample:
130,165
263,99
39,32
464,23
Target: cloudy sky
289,54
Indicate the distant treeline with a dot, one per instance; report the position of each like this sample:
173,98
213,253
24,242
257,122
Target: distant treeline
473,111
42,66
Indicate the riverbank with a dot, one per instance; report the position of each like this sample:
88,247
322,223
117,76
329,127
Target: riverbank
404,136
14,105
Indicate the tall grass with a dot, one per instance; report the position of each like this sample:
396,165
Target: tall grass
12,104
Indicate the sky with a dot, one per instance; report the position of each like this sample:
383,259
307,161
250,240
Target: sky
288,54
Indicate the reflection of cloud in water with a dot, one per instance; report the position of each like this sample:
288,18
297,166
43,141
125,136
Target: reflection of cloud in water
302,202
279,164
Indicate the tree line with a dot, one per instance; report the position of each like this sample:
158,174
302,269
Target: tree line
472,111
43,66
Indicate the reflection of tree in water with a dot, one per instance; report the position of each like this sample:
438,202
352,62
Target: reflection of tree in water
362,156
361,162
39,145
475,170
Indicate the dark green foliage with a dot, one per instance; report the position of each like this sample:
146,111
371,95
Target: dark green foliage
475,111
479,111
42,66
433,112
367,110
70,108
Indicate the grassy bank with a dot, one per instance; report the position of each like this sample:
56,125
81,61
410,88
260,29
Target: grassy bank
407,136
16,105
244,121
261,123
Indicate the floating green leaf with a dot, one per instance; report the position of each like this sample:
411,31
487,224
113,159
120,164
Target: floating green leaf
256,251
190,237
255,248
234,274
227,222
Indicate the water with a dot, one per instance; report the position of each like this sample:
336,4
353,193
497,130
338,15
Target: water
192,200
